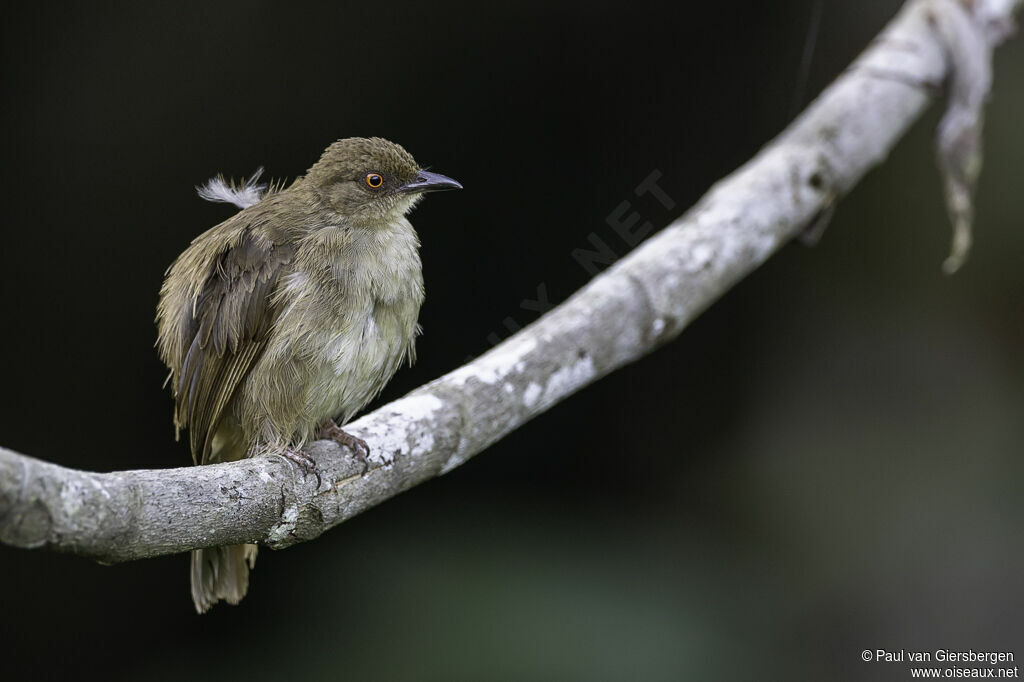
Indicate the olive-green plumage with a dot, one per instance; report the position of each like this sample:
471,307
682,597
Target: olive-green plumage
296,310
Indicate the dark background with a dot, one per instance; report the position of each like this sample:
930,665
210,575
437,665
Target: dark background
828,460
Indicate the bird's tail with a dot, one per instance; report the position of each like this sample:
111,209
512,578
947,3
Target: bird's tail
221,573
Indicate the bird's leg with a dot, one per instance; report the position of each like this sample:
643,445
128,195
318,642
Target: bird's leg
304,462
357,445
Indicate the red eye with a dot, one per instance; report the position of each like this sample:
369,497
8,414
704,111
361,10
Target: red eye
374,180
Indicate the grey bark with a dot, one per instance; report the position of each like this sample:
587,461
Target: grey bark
637,305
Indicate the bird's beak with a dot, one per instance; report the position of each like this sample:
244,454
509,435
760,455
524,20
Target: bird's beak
429,182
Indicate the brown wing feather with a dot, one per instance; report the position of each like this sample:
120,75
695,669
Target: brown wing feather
223,326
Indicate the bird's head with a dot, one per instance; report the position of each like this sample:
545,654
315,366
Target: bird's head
369,179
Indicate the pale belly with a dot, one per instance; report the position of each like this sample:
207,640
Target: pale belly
356,365
303,380
339,338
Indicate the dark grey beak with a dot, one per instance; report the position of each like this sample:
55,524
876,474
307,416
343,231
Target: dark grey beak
429,182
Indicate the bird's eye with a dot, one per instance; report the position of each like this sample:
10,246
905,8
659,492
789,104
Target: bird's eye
374,180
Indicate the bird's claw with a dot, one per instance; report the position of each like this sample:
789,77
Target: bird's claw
304,462
358,446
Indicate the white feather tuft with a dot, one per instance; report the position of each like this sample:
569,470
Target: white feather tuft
243,196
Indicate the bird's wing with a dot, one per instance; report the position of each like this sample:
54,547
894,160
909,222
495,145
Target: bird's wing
216,312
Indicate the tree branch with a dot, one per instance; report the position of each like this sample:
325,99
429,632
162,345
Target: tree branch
640,303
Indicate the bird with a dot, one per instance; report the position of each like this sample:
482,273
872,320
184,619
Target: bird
281,323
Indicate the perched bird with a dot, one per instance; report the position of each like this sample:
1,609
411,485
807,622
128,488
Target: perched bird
282,322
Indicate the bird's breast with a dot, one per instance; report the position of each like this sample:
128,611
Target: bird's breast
352,321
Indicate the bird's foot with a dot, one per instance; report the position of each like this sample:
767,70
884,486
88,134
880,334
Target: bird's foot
304,462
357,445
